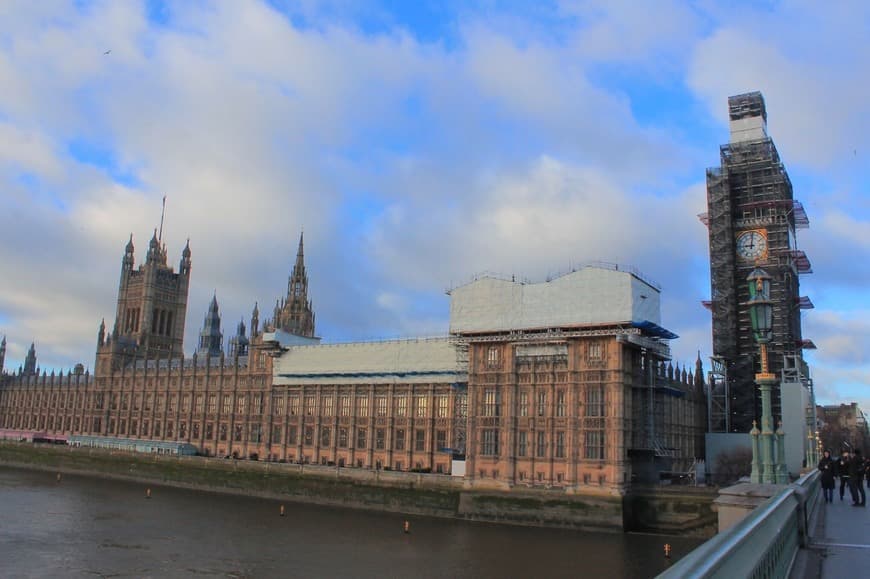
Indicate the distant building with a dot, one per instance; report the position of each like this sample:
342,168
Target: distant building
566,384
843,427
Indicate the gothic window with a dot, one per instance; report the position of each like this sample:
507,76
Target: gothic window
595,445
422,404
361,434
524,403
185,403
594,401
443,406
491,402
342,437
560,444
279,406
241,403
308,436
294,405
399,441
255,433
200,401
420,440
523,443
344,405
542,402
237,433
381,404
309,406
209,430
380,438
362,406
325,436
194,431
328,403
227,405
541,446
257,404
401,406
492,357
276,434
489,446
441,440
560,403
595,351
222,432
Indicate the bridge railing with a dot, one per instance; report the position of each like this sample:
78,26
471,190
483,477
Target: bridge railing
763,544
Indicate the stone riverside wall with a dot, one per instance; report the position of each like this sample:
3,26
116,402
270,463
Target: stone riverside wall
677,510
421,494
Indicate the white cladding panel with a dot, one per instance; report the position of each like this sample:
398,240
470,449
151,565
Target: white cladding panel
406,361
748,129
585,297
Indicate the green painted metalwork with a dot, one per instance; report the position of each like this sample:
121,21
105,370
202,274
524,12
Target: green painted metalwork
761,546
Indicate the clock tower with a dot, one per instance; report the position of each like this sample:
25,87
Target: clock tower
752,219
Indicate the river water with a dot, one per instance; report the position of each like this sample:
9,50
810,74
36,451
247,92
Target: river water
88,527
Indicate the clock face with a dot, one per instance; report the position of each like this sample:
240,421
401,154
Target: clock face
752,245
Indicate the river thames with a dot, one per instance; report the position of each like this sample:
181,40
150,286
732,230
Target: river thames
87,527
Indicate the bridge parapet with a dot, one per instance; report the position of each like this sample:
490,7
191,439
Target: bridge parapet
762,545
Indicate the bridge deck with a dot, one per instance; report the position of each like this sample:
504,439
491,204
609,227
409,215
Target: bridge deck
842,539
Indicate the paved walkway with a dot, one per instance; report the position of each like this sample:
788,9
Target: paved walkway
841,540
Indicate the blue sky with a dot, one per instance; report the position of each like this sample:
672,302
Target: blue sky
417,144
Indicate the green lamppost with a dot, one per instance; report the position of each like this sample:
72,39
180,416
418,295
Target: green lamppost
764,467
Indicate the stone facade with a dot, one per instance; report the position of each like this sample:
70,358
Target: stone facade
586,408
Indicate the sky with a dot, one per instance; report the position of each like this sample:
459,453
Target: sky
417,144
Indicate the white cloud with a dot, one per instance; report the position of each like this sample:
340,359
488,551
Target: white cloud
410,165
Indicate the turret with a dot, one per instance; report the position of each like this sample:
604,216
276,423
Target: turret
255,321
239,342
211,338
184,265
30,360
2,354
101,334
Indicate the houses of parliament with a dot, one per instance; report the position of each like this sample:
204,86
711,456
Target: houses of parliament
565,384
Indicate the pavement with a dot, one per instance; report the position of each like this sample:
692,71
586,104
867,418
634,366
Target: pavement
840,544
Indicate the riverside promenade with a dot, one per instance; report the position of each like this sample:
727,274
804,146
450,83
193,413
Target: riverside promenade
840,543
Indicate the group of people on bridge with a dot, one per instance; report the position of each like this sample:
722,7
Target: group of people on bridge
852,469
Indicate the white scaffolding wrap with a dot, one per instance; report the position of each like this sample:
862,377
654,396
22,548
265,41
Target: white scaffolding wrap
588,296
400,361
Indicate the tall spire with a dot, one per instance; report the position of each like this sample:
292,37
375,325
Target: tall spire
30,360
2,354
294,314
211,337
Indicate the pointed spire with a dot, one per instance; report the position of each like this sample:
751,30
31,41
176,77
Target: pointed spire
255,320
101,335
211,337
30,360
300,253
699,372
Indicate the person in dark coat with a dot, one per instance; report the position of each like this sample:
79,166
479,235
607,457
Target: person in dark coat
826,467
856,479
843,472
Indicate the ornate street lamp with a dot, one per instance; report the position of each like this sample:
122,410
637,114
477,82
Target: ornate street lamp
764,468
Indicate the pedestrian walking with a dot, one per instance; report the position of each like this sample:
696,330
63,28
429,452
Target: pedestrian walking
827,467
856,479
843,472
